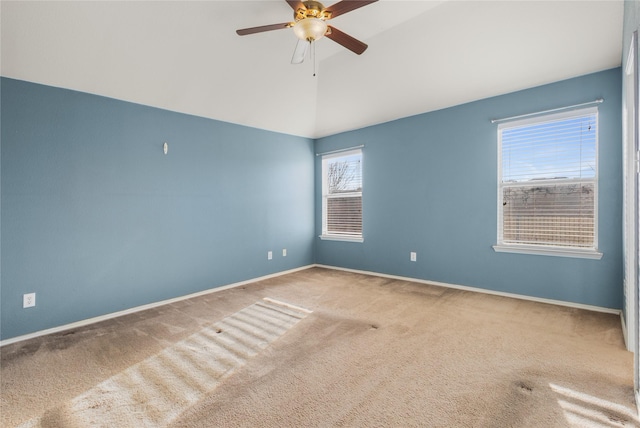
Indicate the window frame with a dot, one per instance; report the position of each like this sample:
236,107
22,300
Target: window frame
326,235
548,250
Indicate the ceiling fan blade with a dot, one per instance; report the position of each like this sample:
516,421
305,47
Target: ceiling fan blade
300,52
295,5
345,6
354,45
263,28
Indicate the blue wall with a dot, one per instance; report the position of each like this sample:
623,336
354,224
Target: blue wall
96,219
430,186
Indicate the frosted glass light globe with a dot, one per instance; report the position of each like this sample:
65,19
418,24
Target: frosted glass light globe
310,29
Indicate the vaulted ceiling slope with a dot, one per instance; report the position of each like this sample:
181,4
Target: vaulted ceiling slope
422,56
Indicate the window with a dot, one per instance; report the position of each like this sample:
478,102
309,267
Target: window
342,196
547,185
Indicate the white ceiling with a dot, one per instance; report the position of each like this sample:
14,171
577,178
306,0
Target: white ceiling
422,56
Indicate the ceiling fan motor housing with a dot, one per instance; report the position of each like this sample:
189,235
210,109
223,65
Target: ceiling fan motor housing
310,22
313,9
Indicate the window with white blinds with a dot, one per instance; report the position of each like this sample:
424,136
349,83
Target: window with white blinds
342,196
548,172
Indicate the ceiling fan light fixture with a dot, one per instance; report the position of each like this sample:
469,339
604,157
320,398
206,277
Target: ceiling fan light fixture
310,29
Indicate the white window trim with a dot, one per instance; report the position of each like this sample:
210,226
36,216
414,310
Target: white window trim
336,236
341,238
549,250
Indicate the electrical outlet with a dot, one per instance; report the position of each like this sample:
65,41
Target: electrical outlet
269,255
413,256
29,300
284,252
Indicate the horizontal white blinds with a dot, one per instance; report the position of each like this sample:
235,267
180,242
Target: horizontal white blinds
344,215
344,174
548,181
558,149
555,215
342,194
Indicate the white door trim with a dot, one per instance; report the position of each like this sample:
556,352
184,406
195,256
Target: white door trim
631,231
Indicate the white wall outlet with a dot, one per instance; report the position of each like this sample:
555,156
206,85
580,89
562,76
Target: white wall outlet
269,255
413,256
29,300
284,252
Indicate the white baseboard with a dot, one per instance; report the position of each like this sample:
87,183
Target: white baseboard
482,290
100,318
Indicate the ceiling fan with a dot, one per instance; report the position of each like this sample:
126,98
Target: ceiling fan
310,25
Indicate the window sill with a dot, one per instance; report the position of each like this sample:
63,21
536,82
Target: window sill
342,238
548,251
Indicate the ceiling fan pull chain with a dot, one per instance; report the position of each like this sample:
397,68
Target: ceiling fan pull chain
313,53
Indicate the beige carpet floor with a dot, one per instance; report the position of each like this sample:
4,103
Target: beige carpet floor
370,352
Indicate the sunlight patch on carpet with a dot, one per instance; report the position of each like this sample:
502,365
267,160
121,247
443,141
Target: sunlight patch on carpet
156,391
585,410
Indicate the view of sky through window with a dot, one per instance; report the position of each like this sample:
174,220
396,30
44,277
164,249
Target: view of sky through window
559,149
